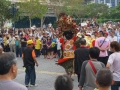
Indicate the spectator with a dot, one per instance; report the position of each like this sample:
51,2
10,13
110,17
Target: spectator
114,63
44,50
89,70
81,54
18,47
23,42
54,40
49,48
38,47
63,82
103,44
112,36
58,47
29,61
26,36
8,72
40,36
12,43
104,79
6,44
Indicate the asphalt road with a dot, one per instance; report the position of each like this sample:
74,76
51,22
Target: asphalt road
46,73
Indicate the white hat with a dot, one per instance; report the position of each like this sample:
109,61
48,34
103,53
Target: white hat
79,34
89,34
33,27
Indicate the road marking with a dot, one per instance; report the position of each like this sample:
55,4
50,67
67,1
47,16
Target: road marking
43,72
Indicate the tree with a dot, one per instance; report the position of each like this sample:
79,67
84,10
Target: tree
115,13
88,10
33,9
112,14
69,7
4,12
96,10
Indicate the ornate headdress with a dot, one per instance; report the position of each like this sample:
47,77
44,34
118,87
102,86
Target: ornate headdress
66,23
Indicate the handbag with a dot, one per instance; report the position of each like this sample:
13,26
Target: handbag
92,66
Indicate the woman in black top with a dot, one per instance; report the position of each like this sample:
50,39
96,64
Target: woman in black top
44,50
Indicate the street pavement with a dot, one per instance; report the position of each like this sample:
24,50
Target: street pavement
46,73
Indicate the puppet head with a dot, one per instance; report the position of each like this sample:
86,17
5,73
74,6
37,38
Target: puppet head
67,26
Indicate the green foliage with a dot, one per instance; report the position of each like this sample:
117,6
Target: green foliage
112,15
95,10
4,12
4,9
33,9
80,10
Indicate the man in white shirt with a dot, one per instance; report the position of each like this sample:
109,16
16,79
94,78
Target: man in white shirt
12,43
50,33
40,36
112,36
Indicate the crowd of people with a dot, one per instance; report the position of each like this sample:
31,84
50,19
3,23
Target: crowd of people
45,42
98,44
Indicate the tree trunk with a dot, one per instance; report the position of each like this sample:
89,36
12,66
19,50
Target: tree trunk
41,22
30,22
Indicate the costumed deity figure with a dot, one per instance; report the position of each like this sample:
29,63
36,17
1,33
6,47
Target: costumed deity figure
67,28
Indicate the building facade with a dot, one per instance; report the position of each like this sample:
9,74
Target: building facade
110,3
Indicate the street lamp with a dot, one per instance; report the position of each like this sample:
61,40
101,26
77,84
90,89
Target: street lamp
13,9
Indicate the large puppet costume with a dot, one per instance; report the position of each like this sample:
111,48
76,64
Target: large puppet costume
67,29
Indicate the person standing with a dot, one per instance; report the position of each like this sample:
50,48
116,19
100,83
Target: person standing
54,41
114,64
29,61
44,45
81,54
18,47
89,70
40,36
58,47
112,36
12,43
49,48
23,42
103,44
38,47
6,44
